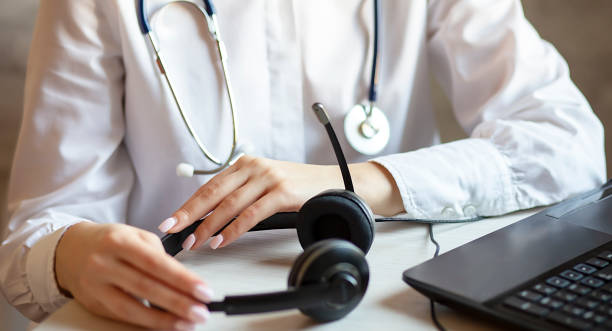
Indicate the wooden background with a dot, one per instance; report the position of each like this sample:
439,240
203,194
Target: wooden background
581,30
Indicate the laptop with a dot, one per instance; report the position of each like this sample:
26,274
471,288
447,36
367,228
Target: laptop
550,271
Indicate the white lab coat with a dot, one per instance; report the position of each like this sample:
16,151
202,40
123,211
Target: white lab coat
101,137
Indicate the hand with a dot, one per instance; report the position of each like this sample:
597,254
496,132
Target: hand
107,267
255,188
252,189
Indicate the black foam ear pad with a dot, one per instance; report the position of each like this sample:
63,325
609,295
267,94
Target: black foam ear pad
320,263
336,214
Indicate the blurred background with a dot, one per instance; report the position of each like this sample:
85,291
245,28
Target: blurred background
579,29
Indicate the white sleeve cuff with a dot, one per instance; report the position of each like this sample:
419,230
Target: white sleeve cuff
40,271
453,181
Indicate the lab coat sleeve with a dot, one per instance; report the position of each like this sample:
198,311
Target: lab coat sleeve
70,164
533,138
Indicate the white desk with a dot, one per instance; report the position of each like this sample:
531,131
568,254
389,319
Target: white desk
260,262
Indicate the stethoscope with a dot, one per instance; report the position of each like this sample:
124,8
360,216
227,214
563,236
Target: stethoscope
366,126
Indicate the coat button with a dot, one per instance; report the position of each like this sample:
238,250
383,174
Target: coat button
448,213
469,211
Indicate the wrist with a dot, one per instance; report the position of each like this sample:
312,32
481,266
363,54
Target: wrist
375,184
65,246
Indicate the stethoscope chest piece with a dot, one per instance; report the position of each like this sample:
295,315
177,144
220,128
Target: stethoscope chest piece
367,134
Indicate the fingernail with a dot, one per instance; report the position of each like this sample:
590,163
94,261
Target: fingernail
189,241
167,224
184,326
216,241
203,293
198,314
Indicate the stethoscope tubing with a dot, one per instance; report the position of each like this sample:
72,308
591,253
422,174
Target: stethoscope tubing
209,13
143,20
372,94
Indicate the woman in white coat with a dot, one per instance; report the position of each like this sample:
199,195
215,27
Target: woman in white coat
93,175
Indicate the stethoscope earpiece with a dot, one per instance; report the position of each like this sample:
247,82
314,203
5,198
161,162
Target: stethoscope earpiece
184,169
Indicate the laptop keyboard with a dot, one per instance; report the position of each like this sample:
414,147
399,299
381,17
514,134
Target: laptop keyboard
579,297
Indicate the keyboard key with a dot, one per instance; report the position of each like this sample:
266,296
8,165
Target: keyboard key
545,289
568,321
601,295
536,310
605,326
605,273
526,306
591,316
592,282
585,269
573,310
599,263
587,303
606,255
551,303
517,303
531,296
571,275
557,282
604,309
579,289
565,296
599,319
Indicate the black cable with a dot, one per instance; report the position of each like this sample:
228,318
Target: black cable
434,318
432,303
427,221
433,240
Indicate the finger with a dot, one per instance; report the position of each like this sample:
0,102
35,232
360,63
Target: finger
161,266
151,239
206,198
263,208
126,308
141,285
231,206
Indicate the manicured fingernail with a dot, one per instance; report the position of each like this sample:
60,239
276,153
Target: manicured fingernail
184,326
167,224
216,241
189,241
203,293
198,314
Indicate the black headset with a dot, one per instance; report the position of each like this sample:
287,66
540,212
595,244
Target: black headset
336,213
329,279
336,230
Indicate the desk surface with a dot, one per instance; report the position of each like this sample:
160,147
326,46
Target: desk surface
260,262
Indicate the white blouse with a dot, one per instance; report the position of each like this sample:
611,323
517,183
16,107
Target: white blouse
101,136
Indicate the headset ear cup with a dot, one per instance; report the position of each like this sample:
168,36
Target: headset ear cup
337,214
319,263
